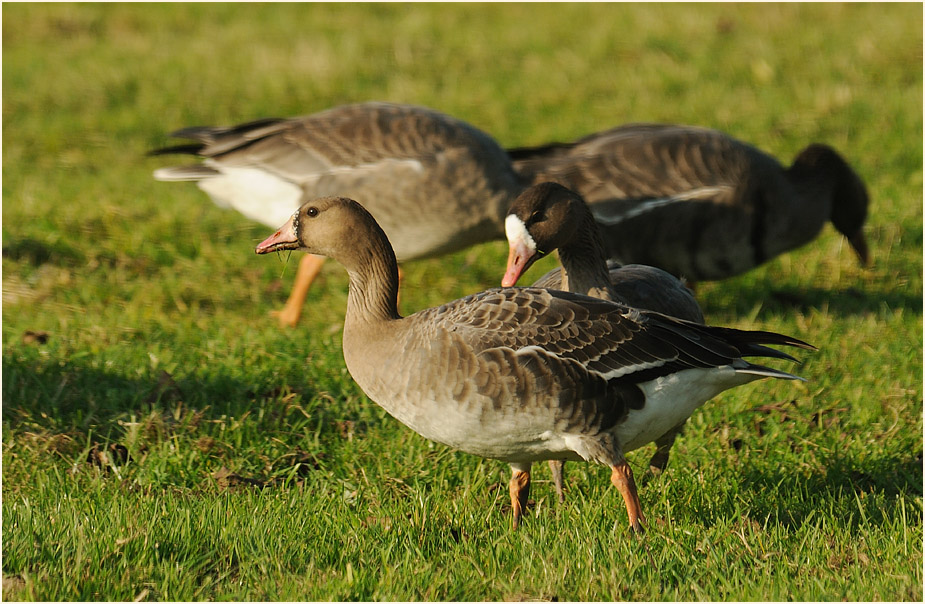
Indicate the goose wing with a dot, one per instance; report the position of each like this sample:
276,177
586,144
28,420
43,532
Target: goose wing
607,340
303,149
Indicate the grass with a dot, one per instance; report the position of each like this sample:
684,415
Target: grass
164,440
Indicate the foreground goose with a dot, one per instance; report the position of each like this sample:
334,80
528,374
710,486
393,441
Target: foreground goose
517,374
548,217
435,184
699,203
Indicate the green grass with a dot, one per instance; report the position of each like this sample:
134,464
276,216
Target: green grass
238,461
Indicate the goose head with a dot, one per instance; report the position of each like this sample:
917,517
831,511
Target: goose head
335,227
543,218
849,197
345,231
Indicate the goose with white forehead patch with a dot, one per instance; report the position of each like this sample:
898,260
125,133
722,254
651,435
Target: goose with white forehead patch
548,217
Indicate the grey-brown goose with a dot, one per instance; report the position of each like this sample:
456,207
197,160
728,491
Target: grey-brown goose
521,374
699,203
548,217
435,183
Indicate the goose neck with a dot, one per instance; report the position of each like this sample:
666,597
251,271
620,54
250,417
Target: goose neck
583,259
373,291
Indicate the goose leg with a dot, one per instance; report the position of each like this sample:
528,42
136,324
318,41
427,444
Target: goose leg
309,267
663,448
556,466
622,478
520,490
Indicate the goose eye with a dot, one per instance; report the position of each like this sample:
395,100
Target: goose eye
536,216
311,212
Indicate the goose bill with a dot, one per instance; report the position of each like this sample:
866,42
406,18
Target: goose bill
859,245
283,239
519,259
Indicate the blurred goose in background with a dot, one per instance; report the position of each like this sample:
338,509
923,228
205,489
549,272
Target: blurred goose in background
699,203
548,217
434,183
694,202
522,374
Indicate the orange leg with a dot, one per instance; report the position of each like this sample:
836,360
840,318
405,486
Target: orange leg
556,466
520,491
622,478
309,267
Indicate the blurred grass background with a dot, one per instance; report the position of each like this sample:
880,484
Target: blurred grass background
163,439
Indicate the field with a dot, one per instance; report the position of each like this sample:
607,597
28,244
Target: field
164,439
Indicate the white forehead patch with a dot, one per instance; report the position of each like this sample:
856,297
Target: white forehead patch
516,232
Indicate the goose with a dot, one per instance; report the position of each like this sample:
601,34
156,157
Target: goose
548,217
697,202
434,183
522,374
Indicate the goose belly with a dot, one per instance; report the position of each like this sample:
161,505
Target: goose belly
481,428
672,399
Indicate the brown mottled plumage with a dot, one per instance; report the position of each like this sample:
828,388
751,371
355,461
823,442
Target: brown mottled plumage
521,374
